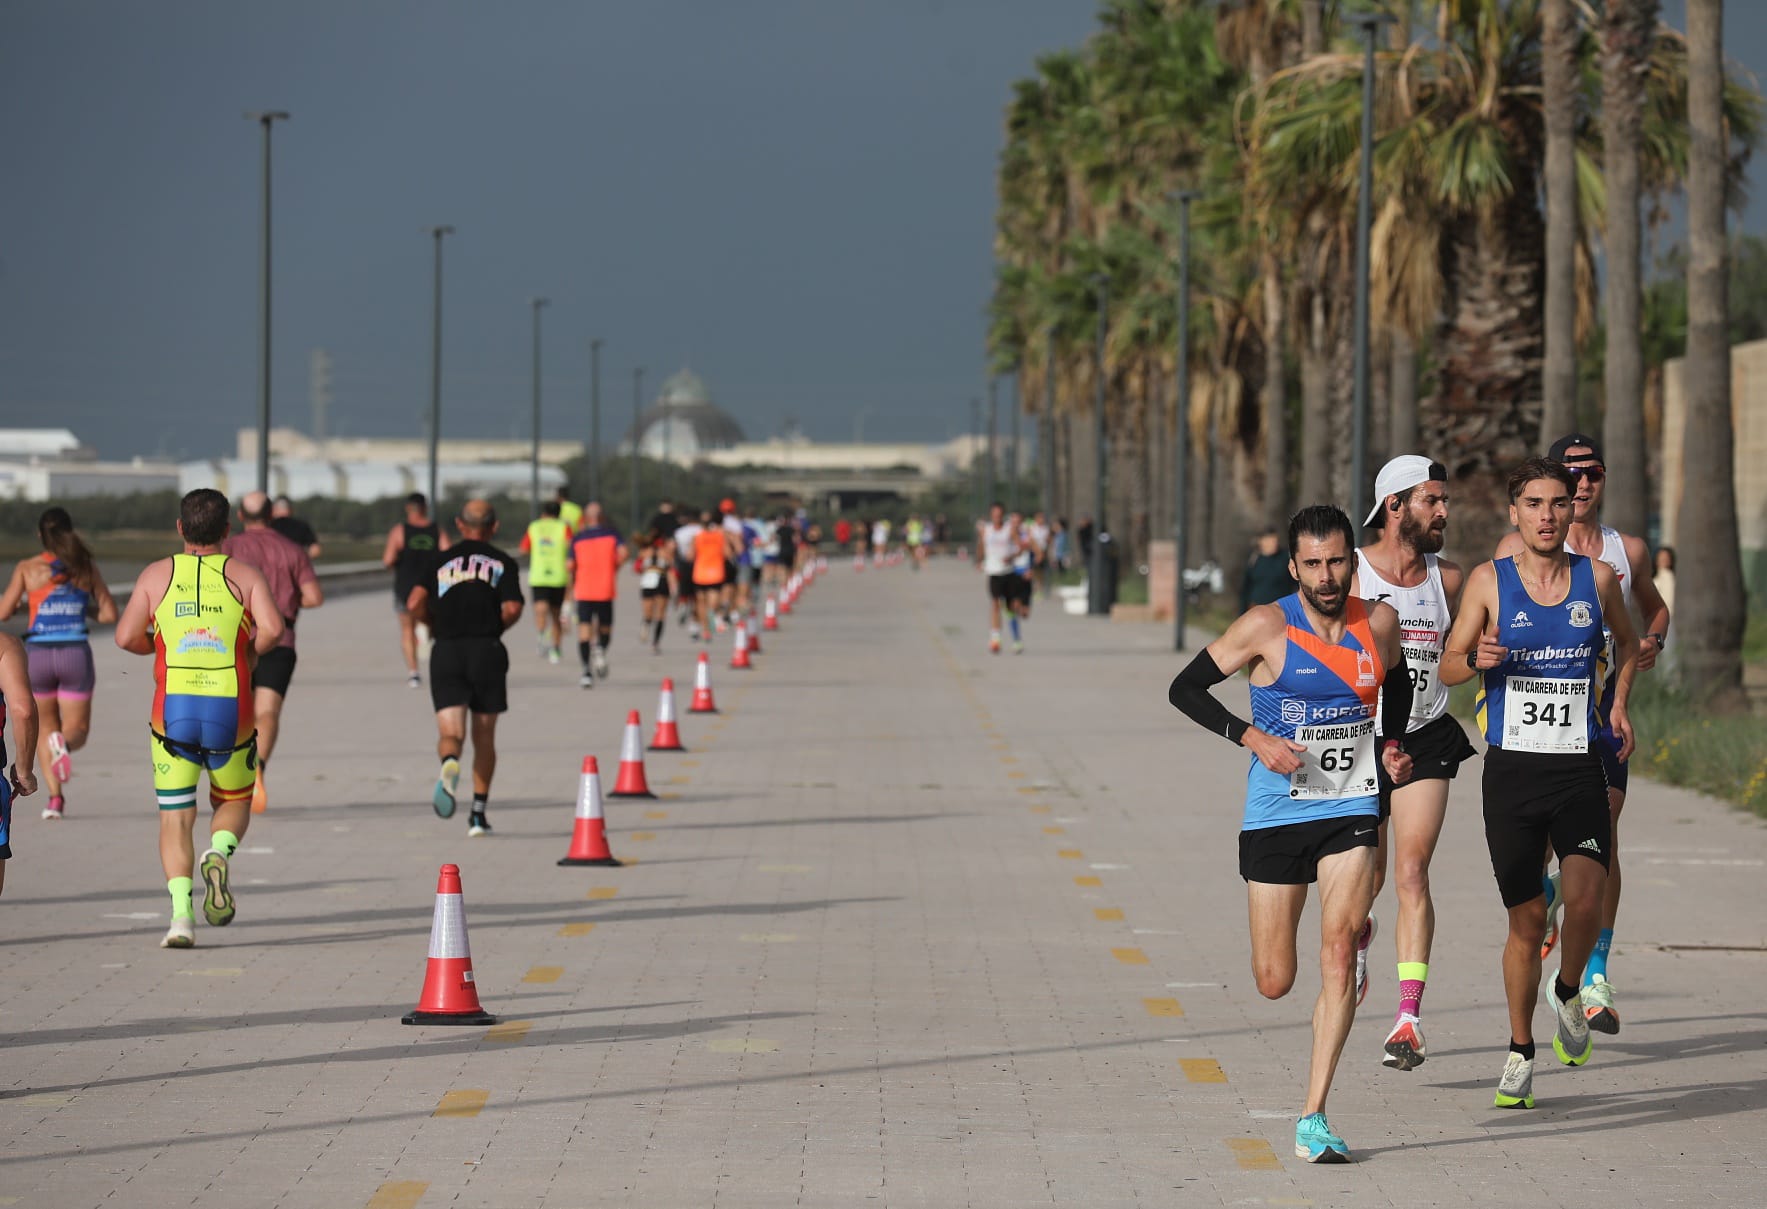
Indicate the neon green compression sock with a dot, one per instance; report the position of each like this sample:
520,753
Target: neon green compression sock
224,842
179,888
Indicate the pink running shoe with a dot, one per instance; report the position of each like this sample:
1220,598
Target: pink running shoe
55,807
61,760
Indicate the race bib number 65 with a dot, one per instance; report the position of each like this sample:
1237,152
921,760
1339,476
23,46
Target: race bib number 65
1338,762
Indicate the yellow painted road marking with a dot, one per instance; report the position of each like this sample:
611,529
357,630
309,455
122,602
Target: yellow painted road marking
48,1100
463,1103
576,929
690,763
1253,1154
543,974
1130,957
639,837
1009,759
1161,1007
656,814
602,892
669,797
398,1194
509,1030
1055,830
1041,809
1107,915
1015,775
1070,854
1202,1070
1030,789
680,780
1088,881
742,1045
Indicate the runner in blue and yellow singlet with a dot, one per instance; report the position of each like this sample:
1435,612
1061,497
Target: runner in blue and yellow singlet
1316,661
204,618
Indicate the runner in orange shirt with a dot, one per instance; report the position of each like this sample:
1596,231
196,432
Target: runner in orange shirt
712,556
597,552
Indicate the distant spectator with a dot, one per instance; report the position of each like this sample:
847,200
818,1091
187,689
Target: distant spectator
1266,577
1061,544
296,530
1084,534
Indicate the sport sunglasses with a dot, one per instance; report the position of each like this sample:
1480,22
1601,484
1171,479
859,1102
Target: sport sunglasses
1594,474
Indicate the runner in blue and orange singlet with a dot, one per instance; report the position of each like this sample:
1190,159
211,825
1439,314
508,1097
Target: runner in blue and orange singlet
1317,662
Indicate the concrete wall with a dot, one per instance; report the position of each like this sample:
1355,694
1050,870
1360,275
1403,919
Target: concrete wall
1748,404
44,481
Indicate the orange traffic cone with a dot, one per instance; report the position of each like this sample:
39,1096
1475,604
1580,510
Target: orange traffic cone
589,839
631,783
770,615
739,651
702,702
449,996
754,627
668,736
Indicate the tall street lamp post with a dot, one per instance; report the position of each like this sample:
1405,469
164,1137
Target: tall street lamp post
435,367
1370,24
594,486
637,411
534,458
264,119
1096,603
1181,475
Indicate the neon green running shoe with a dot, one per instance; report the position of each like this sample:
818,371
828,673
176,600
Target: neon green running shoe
1571,1040
1516,1088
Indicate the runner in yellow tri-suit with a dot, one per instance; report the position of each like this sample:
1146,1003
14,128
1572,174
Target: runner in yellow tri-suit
204,618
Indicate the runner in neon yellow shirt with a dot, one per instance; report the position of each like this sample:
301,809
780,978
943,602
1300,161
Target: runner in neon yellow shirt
547,544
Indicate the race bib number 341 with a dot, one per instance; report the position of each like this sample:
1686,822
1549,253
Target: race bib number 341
1338,762
1545,715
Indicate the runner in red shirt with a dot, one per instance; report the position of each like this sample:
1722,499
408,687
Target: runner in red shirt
597,552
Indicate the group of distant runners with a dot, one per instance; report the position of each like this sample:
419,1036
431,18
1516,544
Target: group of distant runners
1353,748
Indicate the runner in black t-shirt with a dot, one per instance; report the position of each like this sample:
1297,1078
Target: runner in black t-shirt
469,595
411,546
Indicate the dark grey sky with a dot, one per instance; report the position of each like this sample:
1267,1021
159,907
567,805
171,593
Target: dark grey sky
794,197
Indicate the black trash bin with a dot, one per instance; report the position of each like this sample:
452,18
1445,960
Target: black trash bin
1101,591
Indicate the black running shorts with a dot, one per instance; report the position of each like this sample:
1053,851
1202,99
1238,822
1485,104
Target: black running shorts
548,596
275,669
473,672
601,611
1534,799
1000,587
1437,750
1289,855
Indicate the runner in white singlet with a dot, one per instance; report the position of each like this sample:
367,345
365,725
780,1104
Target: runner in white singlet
997,544
1401,567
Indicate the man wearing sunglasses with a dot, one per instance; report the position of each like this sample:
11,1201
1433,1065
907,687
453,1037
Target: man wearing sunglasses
1630,560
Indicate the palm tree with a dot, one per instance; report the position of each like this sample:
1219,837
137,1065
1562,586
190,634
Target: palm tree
1559,35
1711,599
1628,30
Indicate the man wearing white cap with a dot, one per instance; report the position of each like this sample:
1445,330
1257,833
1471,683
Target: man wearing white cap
1630,559
1402,568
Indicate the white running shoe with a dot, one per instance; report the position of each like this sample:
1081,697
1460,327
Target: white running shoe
1598,1004
181,935
1404,1044
1362,943
1516,1088
1571,1040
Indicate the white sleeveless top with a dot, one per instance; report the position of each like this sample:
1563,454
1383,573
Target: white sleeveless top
1423,631
997,548
1613,553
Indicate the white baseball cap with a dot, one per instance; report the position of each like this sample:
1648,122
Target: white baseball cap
1403,472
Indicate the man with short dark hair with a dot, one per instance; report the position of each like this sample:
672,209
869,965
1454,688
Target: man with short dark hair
1318,661
469,596
1531,628
206,619
411,546
1630,560
294,586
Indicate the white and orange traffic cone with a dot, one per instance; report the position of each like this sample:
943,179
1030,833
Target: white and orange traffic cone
589,837
702,702
770,615
631,783
668,735
754,627
739,650
449,995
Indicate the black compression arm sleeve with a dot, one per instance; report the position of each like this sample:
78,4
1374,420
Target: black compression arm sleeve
1395,700
1190,693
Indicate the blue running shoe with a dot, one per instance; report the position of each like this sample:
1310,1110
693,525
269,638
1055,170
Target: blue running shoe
1315,1142
446,785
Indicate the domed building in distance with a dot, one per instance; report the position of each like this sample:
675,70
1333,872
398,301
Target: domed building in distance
683,425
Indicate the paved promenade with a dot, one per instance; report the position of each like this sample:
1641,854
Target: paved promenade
911,925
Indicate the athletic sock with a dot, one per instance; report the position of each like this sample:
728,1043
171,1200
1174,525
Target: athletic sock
480,801
1565,993
993,635
179,889
1524,1048
224,842
583,654
1597,963
1412,975
1013,626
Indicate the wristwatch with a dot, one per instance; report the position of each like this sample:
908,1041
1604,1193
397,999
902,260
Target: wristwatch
1472,660
1660,639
